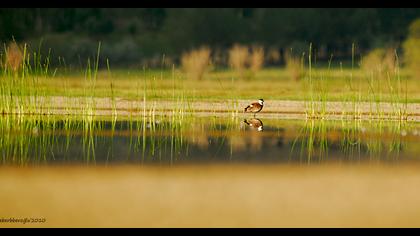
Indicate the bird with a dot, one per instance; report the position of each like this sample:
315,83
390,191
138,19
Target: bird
255,123
255,107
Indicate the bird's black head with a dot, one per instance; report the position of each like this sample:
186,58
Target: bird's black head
261,101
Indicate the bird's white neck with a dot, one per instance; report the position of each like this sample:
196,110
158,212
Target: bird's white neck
260,102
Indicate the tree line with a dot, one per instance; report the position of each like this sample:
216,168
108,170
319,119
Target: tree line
131,35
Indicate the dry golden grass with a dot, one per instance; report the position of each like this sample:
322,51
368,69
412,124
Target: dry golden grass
412,56
238,58
412,49
247,62
294,66
380,62
256,59
13,57
196,62
213,196
273,55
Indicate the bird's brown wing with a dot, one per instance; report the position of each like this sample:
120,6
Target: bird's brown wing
256,107
253,107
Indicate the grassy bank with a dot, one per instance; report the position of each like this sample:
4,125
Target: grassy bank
271,84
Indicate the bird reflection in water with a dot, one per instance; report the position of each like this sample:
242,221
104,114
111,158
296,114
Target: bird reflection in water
254,123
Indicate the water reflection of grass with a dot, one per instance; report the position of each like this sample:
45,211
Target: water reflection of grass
42,139
312,141
374,140
29,139
350,143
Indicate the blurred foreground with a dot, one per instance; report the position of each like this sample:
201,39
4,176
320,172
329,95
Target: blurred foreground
330,195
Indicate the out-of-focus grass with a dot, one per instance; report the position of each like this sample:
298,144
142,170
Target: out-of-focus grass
412,48
213,196
269,83
196,62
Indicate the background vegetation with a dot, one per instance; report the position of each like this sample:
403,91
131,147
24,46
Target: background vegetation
140,37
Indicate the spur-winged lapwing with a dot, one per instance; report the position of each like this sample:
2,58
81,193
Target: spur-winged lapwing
255,107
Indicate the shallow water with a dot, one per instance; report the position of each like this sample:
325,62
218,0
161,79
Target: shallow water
170,141
185,171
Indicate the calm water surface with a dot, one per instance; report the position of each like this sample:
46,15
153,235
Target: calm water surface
167,141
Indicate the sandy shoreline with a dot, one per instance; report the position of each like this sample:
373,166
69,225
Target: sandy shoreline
276,109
